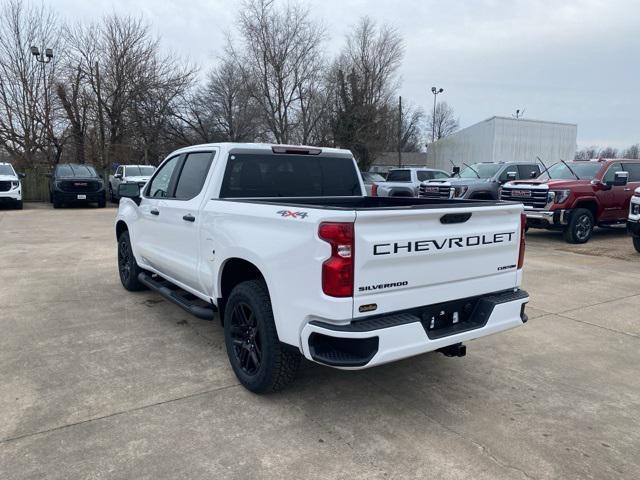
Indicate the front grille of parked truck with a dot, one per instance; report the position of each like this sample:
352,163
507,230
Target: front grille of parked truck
5,186
434,191
74,186
530,197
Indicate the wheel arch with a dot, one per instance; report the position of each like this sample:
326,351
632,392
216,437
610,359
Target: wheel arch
591,205
235,270
121,226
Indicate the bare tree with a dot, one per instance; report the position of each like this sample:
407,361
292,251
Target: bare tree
366,79
410,131
26,110
632,152
608,152
445,121
587,153
280,57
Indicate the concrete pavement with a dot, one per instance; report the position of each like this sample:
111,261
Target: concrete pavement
96,382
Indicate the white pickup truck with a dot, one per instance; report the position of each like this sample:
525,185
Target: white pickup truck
283,242
139,174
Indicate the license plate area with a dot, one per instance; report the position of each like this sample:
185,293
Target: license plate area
82,197
450,318
432,189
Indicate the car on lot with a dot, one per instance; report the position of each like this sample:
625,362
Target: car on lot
480,181
404,182
284,243
574,197
633,222
10,186
369,178
73,183
139,174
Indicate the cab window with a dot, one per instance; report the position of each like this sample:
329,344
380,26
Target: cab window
161,184
611,172
193,174
504,176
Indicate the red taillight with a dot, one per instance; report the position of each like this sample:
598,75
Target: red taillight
523,225
374,190
337,270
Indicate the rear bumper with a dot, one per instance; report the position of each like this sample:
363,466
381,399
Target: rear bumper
547,218
382,339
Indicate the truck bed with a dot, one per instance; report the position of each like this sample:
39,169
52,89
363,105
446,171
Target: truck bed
370,203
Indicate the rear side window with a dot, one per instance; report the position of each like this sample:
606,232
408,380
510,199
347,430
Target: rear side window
257,175
399,176
193,174
634,171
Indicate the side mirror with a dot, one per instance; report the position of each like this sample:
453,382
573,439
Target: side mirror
129,190
456,171
533,174
117,175
620,179
22,175
511,176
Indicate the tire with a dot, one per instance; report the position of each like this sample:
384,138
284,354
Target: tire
55,201
102,202
260,361
19,205
111,197
580,227
128,268
636,243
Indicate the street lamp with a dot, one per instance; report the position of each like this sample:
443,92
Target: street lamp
48,54
435,92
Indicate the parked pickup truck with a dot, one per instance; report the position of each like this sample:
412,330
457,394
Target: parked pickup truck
576,196
128,173
480,181
404,182
299,262
633,223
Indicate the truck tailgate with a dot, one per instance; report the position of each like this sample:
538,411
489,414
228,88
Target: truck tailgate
426,256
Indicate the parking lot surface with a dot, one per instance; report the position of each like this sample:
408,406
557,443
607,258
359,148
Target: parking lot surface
96,382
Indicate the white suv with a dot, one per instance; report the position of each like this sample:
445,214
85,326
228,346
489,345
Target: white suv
10,186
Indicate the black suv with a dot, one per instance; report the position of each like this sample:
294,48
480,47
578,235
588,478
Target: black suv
75,183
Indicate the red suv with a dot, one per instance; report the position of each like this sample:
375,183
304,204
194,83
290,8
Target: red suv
576,196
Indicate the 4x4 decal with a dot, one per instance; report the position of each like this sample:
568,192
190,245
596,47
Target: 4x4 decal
289,213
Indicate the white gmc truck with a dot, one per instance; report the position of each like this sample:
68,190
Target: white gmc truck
284,244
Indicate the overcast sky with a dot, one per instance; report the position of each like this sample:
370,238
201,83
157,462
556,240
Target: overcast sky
572,61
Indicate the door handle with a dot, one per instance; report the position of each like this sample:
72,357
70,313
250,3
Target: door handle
189,218
154,212
627,189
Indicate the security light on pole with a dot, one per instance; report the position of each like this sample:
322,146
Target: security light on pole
436,91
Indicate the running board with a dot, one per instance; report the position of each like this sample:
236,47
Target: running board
192,304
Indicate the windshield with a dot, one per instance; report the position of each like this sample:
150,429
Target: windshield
69,170
370,177
138,170
484,170
399,176
584,170
6,170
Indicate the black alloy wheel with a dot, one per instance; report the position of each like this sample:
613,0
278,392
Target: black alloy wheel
246,338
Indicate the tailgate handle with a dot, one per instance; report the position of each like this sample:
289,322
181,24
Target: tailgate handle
455,218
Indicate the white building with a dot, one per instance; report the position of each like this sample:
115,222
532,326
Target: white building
502,139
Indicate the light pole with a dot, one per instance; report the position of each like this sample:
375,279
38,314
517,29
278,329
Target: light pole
44,59
435,92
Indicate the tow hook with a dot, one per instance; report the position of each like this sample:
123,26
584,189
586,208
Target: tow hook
456,350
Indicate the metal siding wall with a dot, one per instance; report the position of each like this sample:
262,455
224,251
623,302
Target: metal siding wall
506,140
